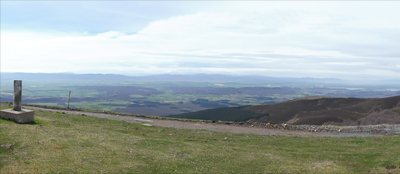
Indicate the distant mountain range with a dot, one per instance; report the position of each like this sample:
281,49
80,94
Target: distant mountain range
164,77
6,76
311,110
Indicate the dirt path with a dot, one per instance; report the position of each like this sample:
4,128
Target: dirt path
205,126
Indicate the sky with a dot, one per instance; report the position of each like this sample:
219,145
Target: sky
353,40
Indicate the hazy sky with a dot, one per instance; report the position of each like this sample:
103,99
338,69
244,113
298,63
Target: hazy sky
348,40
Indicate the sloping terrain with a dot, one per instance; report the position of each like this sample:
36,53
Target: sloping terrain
221,114
66,141
316,111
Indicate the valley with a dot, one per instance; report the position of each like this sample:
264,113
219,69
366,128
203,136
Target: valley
166,95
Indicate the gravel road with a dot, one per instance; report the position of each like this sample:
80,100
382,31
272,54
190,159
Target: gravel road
250,128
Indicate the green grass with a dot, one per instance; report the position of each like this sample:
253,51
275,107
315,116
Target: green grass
61,143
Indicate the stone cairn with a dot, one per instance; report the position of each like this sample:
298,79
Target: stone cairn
18,114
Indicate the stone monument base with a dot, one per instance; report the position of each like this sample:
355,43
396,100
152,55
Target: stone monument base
23,116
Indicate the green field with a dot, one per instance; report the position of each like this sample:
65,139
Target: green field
61,143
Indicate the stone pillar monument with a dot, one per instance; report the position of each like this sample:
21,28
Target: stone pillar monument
16,113
17,95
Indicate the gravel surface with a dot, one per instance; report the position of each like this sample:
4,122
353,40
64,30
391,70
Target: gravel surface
251,128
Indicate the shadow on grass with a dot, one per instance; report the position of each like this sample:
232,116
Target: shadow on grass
35,122
38,122
3,121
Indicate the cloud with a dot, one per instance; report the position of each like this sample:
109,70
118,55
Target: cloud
257,38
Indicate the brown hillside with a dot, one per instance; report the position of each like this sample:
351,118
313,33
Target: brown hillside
339,111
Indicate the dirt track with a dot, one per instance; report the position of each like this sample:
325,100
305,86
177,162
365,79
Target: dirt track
207,126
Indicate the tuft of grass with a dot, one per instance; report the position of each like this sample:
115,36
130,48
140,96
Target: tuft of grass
62,143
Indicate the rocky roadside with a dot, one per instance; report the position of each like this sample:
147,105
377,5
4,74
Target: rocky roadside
383,129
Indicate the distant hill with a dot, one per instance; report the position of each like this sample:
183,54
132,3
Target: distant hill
311,110
5,76
222,114
8,76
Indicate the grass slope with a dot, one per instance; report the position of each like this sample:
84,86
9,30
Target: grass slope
61,143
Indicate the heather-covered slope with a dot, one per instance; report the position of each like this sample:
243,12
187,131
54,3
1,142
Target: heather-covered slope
313,110
344,111
221,114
